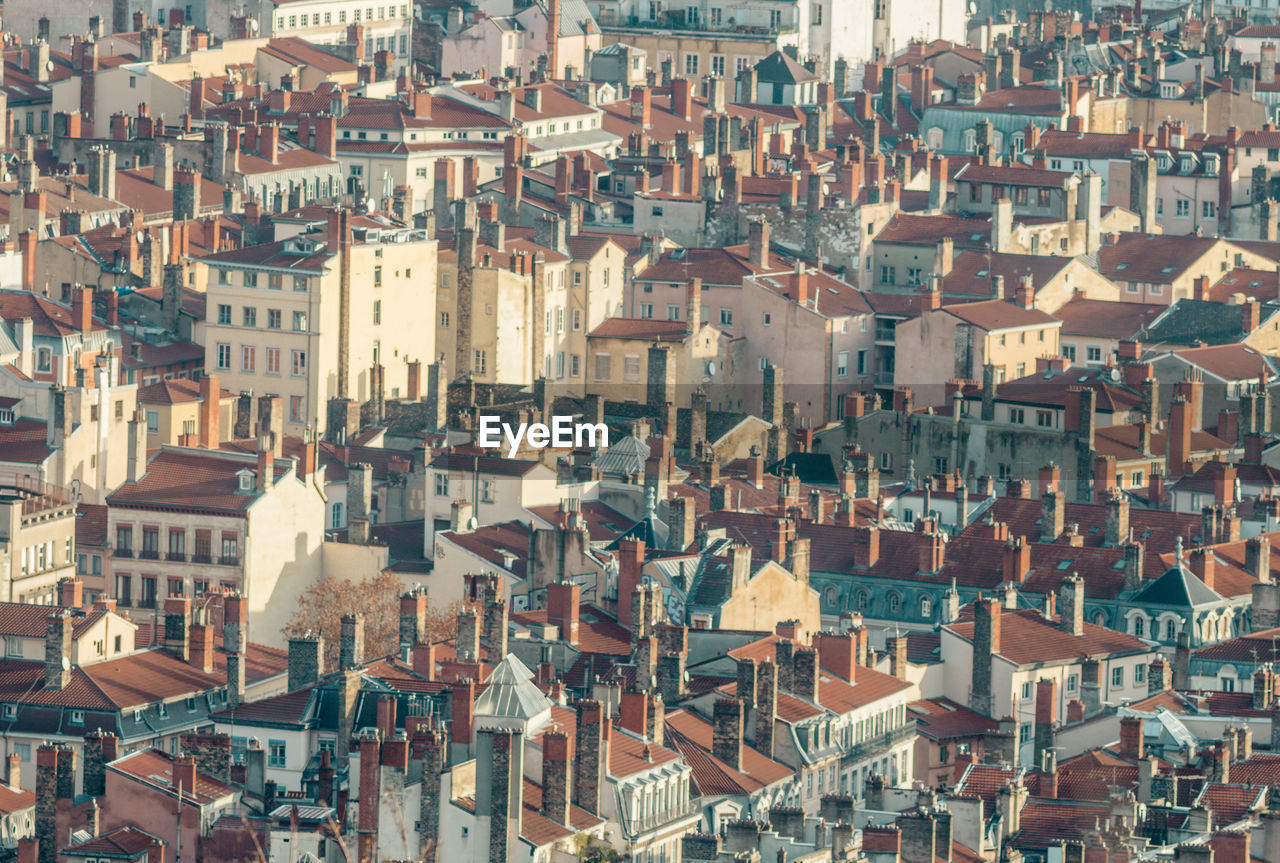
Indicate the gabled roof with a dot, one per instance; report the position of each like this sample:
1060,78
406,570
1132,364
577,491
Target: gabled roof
691,735
155,768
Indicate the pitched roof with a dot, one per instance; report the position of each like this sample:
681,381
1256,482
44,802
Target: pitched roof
944,719
779,68
193,480
691,735
155,768
1027,638
1081,316
1178,587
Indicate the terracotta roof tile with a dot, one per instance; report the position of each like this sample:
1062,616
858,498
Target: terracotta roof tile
193,480
1026,638
154,767
690,734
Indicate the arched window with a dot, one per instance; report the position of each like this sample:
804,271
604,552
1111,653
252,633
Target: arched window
860,601
1100,618
970,140
894,603
1139,626
1170,629
926,607
934,137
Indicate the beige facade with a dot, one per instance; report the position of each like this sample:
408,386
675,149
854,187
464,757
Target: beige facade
755,606
275,317
619,357
37,541
269,550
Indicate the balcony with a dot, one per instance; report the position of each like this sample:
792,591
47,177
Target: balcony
122,552
176,557
229,560
149,554
201,558
884,379
659,819
147,602
881,743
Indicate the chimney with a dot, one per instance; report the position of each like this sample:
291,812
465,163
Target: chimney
986,644
758,242
1016,560
71,592
210,404
306,661
351,642
1053,516
57,649
266,464
557,753
682,98
1179,436
1071,605
562,609
641,106
591,755
726,732
177,626
1132,744
837,653
201,641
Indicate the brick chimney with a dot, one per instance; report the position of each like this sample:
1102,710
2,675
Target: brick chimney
1132,744
557,754
57,650
201,641
562,609
177,626
838,654
210,405
591,755
1202,561
986,644
306,661
1071,605
71,592
1016,560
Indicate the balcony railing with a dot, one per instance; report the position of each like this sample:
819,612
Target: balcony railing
147,602
873,746
149,554
122,552
229,560
660,819
176,557
675,22
201,558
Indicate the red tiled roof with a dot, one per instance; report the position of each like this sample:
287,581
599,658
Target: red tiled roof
1105,318
1228,362
985,781
155,768
15,799
1044,822
30,621
944,719
1026,638
1256,647
1009,175
123,842
691,735
193,480
1231,802
156,675
992,315
91,525
598,632
48,317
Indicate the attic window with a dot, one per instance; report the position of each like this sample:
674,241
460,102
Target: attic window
77,717
246,481
6,416
1167,270
1064,564
1123,265
982,274
11,711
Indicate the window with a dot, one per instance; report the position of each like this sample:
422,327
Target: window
44,360
250,279
273,319
153,422
1042,197
603,367
299,322
442,485
842,364
248,358
1139,673
1117,676
560,319
1044,419
576,319
1208,209
176,587
124,589
230,548
575,365
124,539
1017,416
1093,353
726,317
224,355
1227,684
631,368
862,362
717,65
273,361
1069,351
691,64
177,544
888,275
646,310
204,547
296,409
377,311
276,753
300,282
249,316
299,364
444,320
1026,691
886,461
479,362
673,312
1183,208
224,314
377,277
716,16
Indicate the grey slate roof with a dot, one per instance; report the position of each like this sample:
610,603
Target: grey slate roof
1178,587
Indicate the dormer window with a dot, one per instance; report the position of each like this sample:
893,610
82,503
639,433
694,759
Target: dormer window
245,479
77,717
6,416
11,711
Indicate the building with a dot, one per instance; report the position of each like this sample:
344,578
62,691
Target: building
320,316
193,521
38,528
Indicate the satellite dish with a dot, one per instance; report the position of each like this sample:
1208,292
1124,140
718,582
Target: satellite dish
66,663
48,65
1115,375
711,368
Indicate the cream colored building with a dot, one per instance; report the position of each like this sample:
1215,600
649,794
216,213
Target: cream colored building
276,324
37,541
622,352
199,520
387,26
